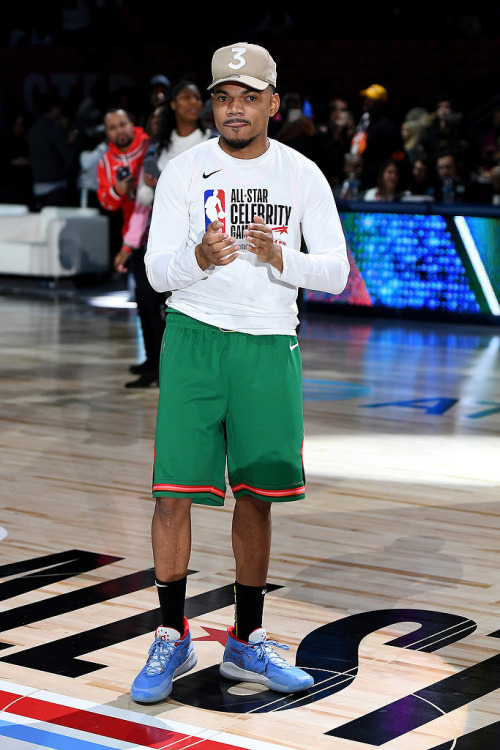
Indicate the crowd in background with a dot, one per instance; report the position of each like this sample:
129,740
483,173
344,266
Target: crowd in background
364,150
365,146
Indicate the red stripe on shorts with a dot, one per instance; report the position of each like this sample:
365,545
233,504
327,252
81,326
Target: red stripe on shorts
185,488
270,493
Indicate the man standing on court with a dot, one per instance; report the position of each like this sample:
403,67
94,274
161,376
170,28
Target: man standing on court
230,375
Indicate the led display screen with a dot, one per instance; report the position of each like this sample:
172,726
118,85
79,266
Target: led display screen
420,261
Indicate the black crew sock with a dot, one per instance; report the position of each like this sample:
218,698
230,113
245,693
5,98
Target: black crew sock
248,609
172,596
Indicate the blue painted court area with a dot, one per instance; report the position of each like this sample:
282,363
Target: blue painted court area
28,738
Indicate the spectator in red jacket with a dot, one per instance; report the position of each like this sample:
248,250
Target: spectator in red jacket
119,167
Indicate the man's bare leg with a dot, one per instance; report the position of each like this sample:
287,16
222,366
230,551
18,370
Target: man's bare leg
251,547
171,537
171,540
251,537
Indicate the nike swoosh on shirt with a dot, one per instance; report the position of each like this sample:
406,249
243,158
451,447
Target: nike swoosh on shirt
293,346
211,173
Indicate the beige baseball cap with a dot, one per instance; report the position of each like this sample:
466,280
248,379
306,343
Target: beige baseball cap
244,63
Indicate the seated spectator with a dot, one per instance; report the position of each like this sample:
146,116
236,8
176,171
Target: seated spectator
420,181
447,130
387,185
353,171
453,184
411,133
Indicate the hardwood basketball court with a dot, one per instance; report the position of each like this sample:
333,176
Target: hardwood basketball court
384,581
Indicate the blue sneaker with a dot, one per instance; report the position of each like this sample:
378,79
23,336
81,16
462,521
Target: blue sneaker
169,656
256,661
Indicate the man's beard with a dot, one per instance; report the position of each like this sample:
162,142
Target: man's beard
237,144
125,143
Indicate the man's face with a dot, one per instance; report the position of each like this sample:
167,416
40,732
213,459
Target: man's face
419,171
446,167
119,128
444,108
242,114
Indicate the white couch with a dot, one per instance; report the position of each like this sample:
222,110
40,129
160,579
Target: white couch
57,242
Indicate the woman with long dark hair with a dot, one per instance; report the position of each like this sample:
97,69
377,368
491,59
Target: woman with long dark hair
180,128
176,127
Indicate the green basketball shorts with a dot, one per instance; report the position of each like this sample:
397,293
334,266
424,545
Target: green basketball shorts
228,402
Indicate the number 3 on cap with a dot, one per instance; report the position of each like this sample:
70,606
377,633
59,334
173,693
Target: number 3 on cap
238,55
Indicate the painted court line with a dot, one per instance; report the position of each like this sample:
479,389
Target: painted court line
64,723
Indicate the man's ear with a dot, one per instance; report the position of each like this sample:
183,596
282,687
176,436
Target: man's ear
274,105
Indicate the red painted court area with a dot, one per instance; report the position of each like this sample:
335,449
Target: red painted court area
99,725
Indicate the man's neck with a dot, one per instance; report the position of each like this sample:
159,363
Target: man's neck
253,150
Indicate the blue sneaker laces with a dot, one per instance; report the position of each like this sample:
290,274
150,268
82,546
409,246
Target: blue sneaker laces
265,651
159,655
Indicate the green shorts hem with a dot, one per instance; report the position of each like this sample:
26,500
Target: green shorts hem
271,495
206,496
197,499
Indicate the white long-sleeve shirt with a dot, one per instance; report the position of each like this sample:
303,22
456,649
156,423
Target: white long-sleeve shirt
293,197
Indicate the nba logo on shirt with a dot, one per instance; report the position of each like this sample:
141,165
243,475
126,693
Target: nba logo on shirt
215,207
